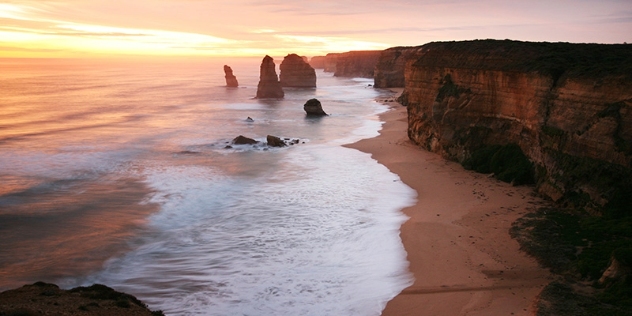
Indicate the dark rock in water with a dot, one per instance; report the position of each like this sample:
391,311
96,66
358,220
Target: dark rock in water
274,141
313,107
231,80
242,140
296,72
97,299
269,85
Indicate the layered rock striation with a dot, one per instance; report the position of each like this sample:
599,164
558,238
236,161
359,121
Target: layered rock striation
231,80
296,72
567,106
269,85
357,63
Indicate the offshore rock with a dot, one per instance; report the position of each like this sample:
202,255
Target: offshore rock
231,80
243,140
313,107
274,141
357,63
567,106
295,72
269,86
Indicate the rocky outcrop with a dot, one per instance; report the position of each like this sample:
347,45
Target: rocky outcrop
269,85
295,72
48,299
567,106
357,63
231,80
313,107
318,62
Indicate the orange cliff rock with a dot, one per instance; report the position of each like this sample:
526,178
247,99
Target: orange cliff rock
568,106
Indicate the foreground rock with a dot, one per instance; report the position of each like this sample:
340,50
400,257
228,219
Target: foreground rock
313,107
48,299
295,72
231,80
269,86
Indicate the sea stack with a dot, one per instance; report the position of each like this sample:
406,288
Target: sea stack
231,80
296,72
269,85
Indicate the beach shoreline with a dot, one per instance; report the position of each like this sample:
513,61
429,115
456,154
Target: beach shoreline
457,236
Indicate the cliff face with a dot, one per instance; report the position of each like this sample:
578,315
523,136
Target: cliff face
269,85
295,72
356,64
318,62
389,70
568,107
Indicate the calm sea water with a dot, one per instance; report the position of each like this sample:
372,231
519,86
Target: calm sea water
117,173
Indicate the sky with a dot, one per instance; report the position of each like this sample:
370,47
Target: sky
111,28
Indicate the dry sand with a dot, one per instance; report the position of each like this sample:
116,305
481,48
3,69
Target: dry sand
457,238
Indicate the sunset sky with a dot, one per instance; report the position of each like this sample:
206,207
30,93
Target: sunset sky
83,28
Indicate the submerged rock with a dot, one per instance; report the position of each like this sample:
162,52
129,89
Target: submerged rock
231,80
313,108
269,85
296,72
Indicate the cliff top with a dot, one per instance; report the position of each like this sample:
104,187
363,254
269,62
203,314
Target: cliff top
555,59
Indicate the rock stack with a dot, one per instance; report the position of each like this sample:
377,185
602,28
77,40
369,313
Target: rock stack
296,72
231,80
269,86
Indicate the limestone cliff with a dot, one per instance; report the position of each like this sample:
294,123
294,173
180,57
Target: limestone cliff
318,62
568,107
389,70
357,63
330,62
296,72
269,85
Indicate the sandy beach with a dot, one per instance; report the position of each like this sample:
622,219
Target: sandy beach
457,238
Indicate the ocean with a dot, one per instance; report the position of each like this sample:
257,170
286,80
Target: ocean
118,172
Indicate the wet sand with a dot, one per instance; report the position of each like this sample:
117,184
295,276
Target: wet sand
457,238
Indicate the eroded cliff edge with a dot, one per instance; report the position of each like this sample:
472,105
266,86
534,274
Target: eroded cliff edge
567,106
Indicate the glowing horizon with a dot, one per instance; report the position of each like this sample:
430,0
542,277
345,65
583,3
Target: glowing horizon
244,28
